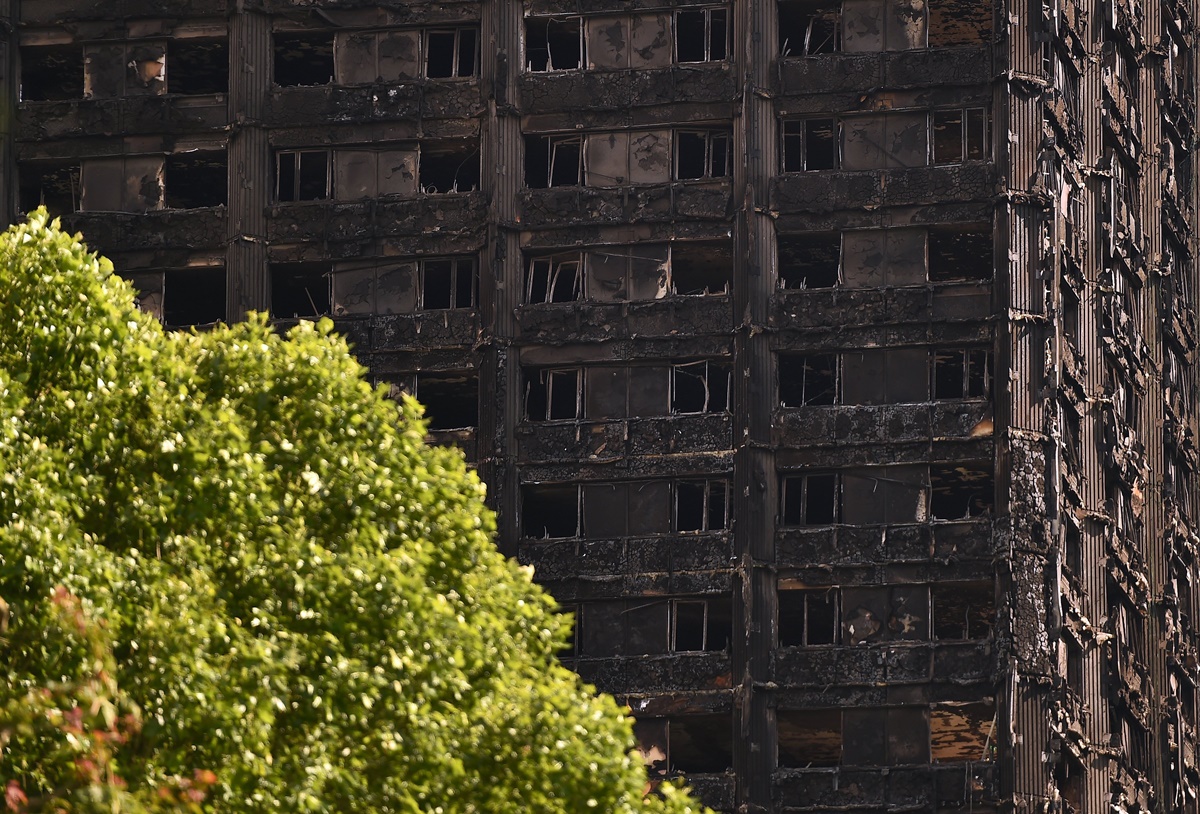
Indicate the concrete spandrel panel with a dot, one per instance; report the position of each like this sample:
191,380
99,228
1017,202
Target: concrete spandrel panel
146,69
650,507
399,55
905,260
355,174
398,172
648,393
648,277
606,162
862,497
605,390
863,25
396,289
864,258
905,27
650,41
354,57
864,142
102,182
605,276
353,291
608,42
864,379
103,71
650,157
907,371
143,183
907,140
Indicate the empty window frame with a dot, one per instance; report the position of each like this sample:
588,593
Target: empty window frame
807,28
451,53
810,260
303,59
550,511
701,268
300,290
809,617
959,135
447,283
449,168
554,44
811,499
52,185
554,278
553,161
960,253
701,624
701,505
451,399
809,738
695,744
195,180
811,144
809,379
962,373
51,73
960,491
702,35
197,66
193,297
303,175
554,395
963,611
702,154
700,387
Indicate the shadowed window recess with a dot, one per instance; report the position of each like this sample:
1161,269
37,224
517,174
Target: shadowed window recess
54,185
808,27
198,66
811,144
195,179
695,744
812,499
702,35
808,379
554,43
960,135
809,617
300,290
646,626
451,53
959,491
51,73
449,167
450,398
304,58
809,260
303,175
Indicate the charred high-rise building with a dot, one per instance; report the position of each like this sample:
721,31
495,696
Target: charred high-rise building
832,360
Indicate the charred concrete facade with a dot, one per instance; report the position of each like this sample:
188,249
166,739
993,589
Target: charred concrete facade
832,360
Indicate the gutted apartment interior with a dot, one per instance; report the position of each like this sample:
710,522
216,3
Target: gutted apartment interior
831,361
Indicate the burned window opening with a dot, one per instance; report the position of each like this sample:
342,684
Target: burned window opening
451,399
809,738
197,67
452,53
449,170
448,283
809,261
961,491
554,44
195,180
813,499
808,379
51,73
963,611
304,59
701,268
702,154
811,144
554,278
959,136
300,290
962,373
193,297
693,744
550,511
809,617
807,28
702,35
553,161
701,505
54,186
960,253
554,395
699,625
956,23
303,175
700,387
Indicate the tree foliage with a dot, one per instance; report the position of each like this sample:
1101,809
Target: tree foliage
233,576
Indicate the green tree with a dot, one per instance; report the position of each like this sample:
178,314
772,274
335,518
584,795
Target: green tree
232,574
